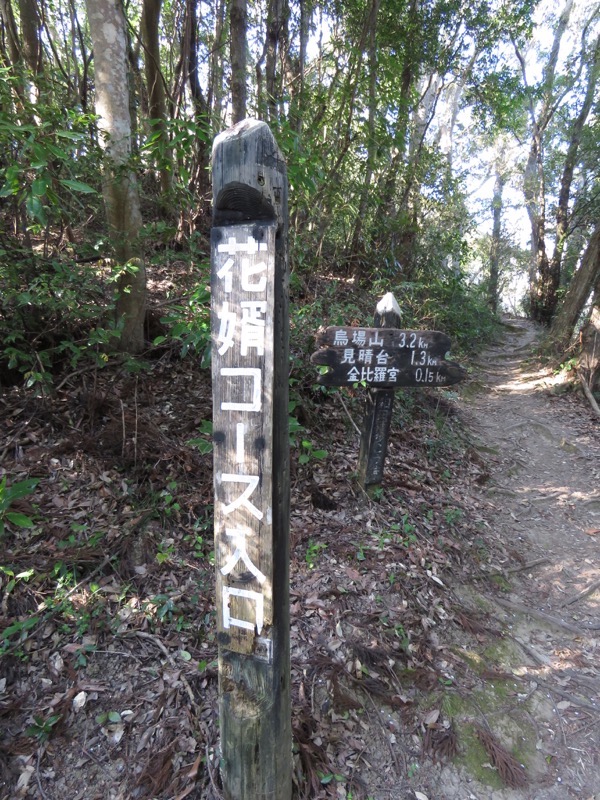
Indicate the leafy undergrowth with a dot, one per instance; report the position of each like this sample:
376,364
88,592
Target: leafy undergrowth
108,685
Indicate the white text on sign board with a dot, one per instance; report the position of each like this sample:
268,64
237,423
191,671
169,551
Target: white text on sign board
243,265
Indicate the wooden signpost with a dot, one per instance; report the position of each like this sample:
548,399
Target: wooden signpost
383,358
249,287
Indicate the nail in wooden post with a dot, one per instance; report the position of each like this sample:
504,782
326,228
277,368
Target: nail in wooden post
378,411
249,322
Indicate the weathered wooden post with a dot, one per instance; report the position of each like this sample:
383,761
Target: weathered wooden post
249,284
383,359
378,411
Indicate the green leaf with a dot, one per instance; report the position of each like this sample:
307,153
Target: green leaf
39,186
36,209
20,520
294,425
203,445
74,137
19,489
114,716
9,189
19,627
79,186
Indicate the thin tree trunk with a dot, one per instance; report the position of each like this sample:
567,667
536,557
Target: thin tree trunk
200,107
543,286
80,60
108,34
371,141
562,211
589,361
238,26
14,56
157,111
298,115
582,284
214,98
401,241
274,24
189,73
497,203
10,31
30,31
342,135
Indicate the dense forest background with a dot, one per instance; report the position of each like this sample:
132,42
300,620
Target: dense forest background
446,150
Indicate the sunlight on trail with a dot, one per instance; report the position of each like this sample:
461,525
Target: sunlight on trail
524,382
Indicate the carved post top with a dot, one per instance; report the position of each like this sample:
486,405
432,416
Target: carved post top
249,176
387,312
244,128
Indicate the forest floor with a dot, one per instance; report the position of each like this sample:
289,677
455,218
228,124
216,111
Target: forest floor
445,636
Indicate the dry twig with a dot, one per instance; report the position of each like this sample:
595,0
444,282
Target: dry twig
528,565
519,608
580,595
588,393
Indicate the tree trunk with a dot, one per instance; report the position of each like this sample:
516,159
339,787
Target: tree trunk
215,82
238,24
542,291
188,73
589,361
496,236
11,49
274,24
578,293
543,283
298,99
156,92
198,98
108,34
30,31
371,141
80,57
562,211
10,32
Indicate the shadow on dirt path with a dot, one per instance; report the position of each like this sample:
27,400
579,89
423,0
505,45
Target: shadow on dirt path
538,685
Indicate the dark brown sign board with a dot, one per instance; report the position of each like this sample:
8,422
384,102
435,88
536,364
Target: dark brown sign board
250,366
387,338
385,358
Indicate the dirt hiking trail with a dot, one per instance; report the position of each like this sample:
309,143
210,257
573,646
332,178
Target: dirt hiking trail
542,451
